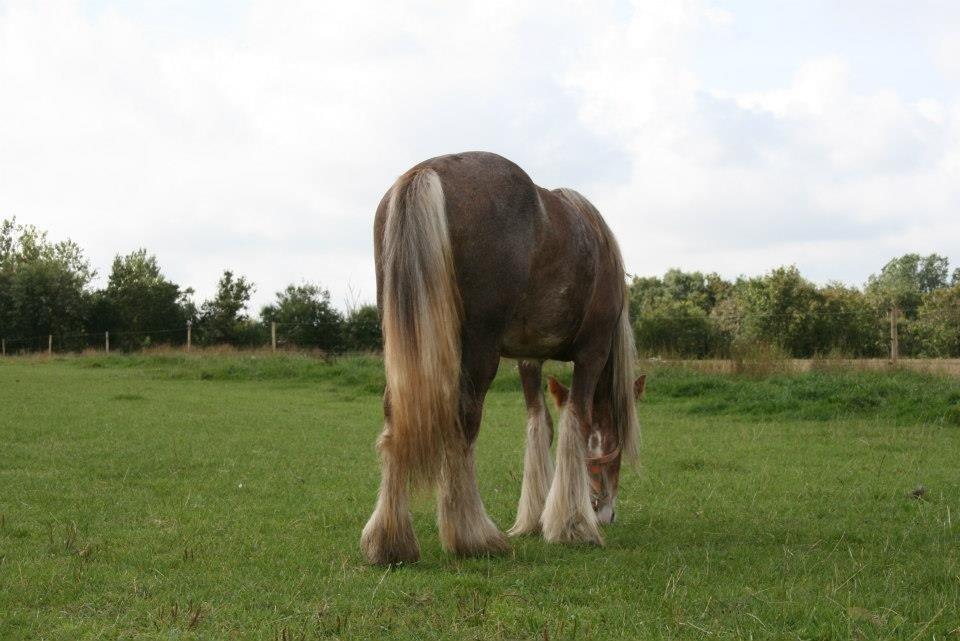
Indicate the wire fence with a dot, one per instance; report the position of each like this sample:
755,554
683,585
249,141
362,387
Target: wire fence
284,336
274,336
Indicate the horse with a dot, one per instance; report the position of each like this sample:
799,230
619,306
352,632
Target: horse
474,263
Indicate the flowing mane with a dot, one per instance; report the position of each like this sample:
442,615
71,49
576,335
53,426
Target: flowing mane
622,351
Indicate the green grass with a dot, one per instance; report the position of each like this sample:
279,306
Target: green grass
220,497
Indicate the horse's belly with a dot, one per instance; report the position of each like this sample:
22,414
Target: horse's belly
540,331
533,345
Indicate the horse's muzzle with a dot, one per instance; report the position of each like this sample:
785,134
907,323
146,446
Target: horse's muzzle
606,513
600,496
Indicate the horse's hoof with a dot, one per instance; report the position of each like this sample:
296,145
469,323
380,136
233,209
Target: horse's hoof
378,550
576,530
495,544
524,529
485,540
383,555
575,538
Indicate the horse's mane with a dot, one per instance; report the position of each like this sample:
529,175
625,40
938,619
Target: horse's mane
623,352
586,208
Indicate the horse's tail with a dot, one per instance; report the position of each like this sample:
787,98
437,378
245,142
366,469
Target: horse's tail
421,326
622,358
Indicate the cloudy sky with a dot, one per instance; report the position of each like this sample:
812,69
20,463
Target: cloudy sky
259,136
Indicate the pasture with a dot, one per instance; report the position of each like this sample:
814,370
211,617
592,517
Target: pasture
221,497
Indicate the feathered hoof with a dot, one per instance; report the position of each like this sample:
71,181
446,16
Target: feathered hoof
525,527
576,529
497,545
486,540
380,549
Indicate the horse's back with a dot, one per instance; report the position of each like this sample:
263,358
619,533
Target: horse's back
488,198
525,259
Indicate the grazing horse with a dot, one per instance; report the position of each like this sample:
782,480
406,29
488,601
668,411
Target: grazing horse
475,262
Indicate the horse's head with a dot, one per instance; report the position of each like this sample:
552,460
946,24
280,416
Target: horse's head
603,448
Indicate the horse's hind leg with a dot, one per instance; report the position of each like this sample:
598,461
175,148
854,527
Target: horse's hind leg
537,466
388,536
465,528
568,516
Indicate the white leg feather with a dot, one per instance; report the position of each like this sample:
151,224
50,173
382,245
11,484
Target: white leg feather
537,473
568,516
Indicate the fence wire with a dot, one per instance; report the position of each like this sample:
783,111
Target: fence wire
120,340
180,337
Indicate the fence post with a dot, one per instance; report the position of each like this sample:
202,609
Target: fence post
106,341
273,336
189,333
894,336
49,344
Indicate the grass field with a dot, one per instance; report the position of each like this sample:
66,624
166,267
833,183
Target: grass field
222,497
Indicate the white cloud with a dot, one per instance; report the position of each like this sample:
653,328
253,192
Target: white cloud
810,172
262,140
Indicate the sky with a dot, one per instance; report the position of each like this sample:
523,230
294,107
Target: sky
259,136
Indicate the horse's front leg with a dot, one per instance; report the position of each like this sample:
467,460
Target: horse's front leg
465,528
537,465
568,516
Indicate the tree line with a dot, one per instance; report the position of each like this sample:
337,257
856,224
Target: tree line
691,314
45,289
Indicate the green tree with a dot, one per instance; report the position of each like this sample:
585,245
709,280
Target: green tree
904,280
725,319
224,319
847,323
362,331
675,328
645,293
140,304
43,285
8,230
686,286
7,240
937,328
703,290
307,317
672,315
779,309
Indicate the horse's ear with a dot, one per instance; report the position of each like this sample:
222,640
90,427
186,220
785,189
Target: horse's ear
639,385
558,391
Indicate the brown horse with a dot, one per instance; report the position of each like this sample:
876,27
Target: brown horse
475,262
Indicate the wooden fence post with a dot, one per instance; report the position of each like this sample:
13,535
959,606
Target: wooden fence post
894,335
273,336
106,341
189,333
49,344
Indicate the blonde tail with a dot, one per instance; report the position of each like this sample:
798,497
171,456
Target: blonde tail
421,326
